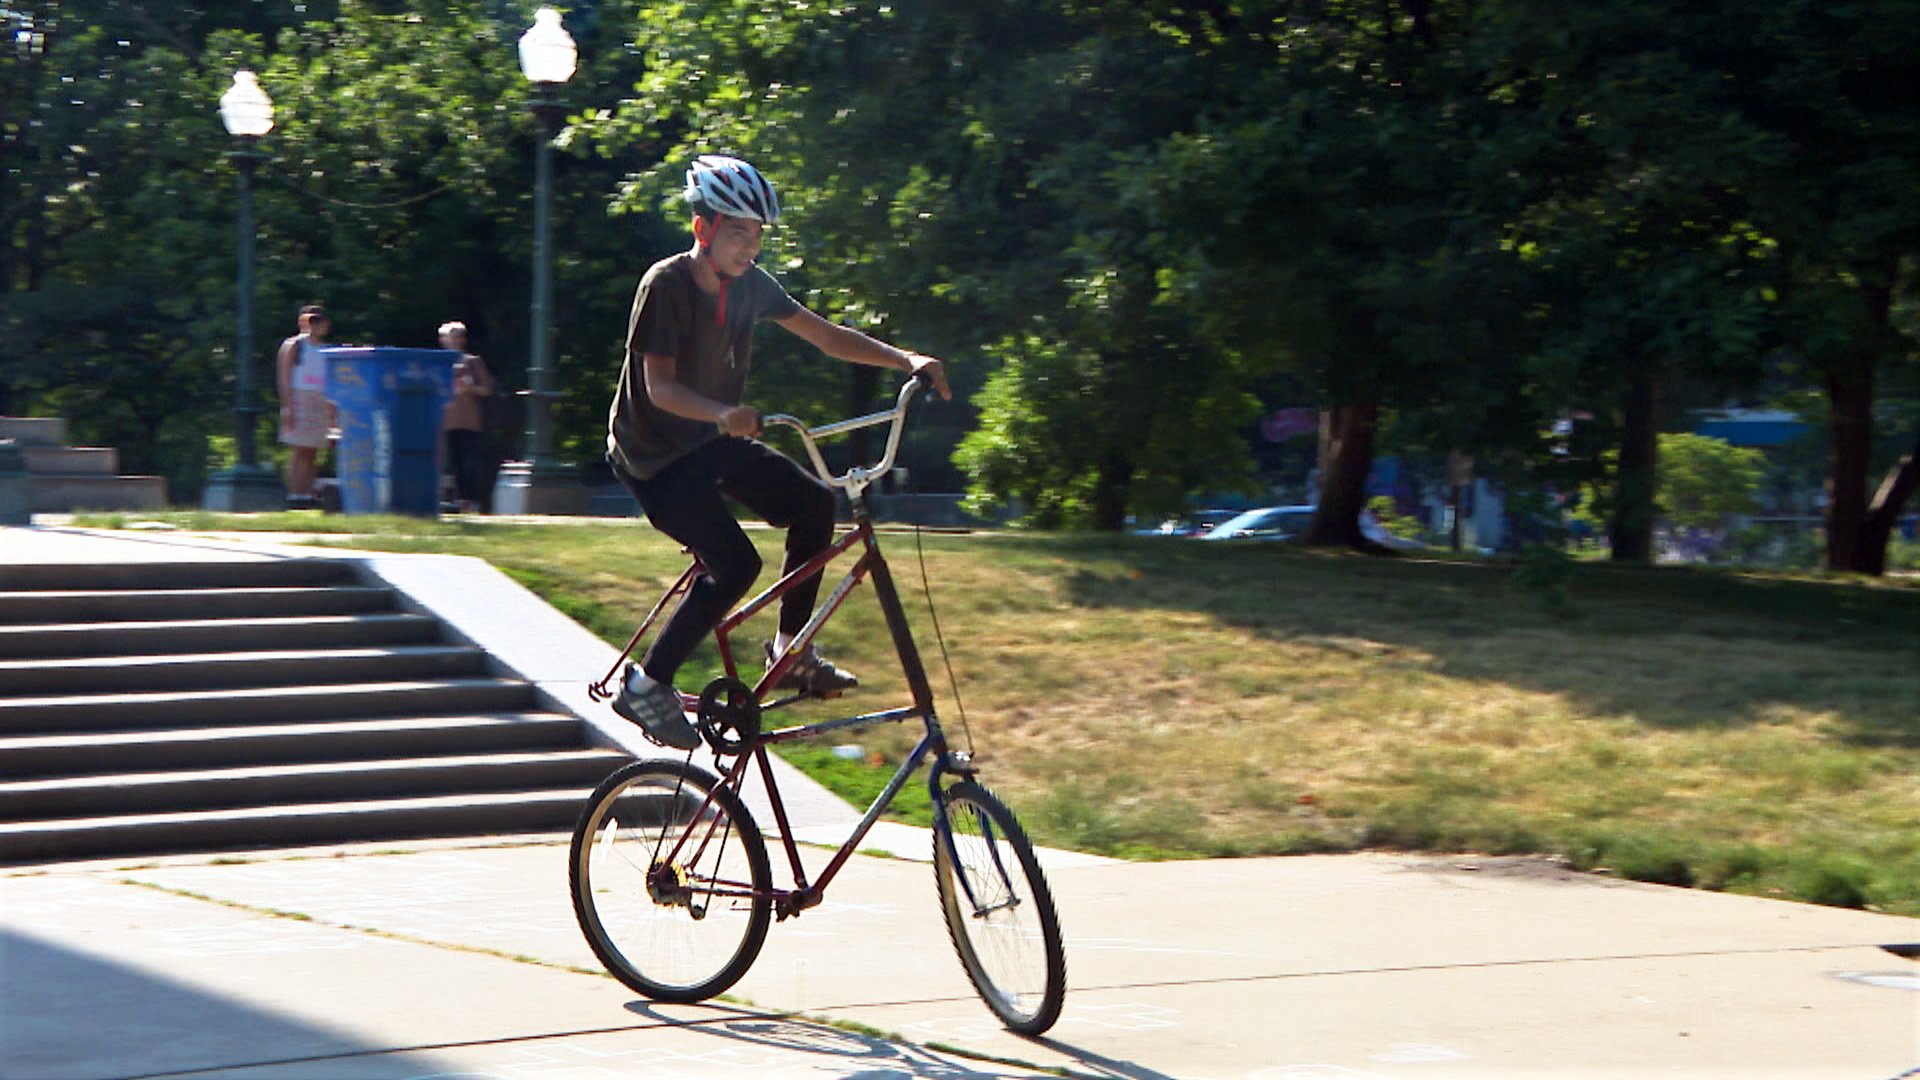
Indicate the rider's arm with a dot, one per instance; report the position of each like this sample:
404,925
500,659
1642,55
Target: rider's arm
676,397
846,343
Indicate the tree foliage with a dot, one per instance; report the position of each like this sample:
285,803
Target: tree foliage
1704,481
1453,226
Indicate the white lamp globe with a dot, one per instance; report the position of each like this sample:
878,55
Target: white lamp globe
245,108
547,53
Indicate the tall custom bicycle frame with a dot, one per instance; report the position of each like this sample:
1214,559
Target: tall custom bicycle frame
933,744
998,908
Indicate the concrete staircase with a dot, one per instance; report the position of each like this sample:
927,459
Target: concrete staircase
164,707
62,478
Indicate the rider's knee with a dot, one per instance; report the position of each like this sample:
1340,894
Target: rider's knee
736,573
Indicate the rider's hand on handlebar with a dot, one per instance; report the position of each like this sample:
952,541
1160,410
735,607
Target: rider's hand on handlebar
932,369
741,420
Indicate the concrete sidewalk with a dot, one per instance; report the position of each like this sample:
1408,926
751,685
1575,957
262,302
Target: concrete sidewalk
462,960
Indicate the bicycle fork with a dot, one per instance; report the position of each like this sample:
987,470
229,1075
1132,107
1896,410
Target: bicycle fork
943,831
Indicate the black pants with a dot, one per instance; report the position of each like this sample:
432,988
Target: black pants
685,501
467,454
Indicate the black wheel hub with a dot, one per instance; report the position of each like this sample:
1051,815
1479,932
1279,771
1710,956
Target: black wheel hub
667,885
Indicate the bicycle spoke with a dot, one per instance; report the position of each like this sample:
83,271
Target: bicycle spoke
999,911
670,881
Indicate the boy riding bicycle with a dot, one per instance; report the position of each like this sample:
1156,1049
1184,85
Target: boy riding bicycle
681,441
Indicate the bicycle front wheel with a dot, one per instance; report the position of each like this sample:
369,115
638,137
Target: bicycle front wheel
670,881
999,910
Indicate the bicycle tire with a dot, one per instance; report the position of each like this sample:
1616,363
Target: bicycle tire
643,878
1002,921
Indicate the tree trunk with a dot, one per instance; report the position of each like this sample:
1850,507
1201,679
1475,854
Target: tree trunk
1870,555
1849,455
1346,457
1630,531
1856,537
1112,486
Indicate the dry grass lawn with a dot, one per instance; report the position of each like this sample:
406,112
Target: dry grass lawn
1166,698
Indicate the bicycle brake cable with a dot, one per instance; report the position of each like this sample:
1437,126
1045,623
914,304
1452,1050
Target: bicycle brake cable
927,588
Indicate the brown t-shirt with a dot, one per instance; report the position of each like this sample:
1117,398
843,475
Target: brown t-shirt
463,410
712,345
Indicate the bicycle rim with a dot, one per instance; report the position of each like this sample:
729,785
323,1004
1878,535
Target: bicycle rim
999,910
670,881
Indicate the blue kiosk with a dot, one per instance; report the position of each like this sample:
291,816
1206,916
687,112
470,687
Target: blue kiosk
390,402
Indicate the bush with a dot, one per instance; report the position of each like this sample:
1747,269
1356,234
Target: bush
1392,520
1760,546
1704,480
1546,571
1903,555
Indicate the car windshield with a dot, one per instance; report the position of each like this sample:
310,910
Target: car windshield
1286,519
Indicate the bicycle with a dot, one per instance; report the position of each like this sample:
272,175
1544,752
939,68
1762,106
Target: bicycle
669,871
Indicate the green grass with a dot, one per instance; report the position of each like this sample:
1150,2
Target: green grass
860,781
1153,698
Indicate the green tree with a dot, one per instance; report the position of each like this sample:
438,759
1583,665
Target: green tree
1339,206
1745,167
116,258
398,190
954,178
1704,481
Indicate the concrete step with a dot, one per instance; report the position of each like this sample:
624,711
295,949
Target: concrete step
45,756
123,605
34,430
72,494
69,713
185,575
159,636
95,675
535,810
71,460
275,784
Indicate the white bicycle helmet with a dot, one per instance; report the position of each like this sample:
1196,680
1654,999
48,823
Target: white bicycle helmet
733,188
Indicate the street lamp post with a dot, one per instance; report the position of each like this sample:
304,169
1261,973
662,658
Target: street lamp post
541,484
247,112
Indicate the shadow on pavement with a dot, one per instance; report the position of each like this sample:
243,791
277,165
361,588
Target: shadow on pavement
66,1015
866,1057
1100,1066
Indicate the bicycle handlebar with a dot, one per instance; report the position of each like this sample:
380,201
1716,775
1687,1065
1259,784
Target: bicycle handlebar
855,479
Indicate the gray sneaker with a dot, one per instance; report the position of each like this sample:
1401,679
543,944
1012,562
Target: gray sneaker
812,673
658,713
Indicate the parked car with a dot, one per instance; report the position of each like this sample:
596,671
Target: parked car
1198,523
1287,522
1265,523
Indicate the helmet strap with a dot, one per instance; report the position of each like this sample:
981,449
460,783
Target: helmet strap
706,256
726,280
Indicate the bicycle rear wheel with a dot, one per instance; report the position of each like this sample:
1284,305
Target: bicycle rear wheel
670,881
999,910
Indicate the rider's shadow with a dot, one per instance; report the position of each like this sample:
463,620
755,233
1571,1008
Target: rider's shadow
1099,1065
876,1058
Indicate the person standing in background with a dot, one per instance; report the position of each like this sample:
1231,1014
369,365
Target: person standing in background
305,413
465,421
